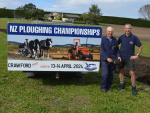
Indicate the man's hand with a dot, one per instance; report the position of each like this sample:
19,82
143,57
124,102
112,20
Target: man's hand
133,57
119,58
109,60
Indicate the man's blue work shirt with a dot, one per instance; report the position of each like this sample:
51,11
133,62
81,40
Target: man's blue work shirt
128,45
109,50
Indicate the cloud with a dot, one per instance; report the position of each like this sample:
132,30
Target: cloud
13,4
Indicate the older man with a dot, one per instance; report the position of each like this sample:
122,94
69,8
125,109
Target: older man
109,50
128,42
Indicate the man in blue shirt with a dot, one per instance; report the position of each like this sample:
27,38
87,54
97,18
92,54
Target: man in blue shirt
109,50
128,42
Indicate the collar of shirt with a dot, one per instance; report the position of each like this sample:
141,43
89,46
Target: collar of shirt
129,35
109,39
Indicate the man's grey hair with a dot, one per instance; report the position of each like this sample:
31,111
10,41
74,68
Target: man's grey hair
110,28
129,25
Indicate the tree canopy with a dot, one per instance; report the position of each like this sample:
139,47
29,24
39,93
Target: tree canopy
144,11
31,11
94,14
29,6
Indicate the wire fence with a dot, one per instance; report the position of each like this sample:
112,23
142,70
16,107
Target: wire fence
49,22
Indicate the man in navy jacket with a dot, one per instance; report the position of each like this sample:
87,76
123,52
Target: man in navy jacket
109,50
128,42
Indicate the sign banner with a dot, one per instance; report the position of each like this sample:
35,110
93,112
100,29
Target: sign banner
27,65
43,47
54,30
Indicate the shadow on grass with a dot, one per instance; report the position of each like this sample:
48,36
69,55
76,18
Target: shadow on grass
68,78
90,79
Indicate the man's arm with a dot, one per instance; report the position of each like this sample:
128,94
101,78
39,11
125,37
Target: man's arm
137,43
103,53
139,51
118,52
119,40
25,44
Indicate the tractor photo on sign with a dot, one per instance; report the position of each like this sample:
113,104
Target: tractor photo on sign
79,52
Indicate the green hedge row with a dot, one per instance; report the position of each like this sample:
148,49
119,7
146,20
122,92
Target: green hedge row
6,13
105,19
123,21
20,13
10,13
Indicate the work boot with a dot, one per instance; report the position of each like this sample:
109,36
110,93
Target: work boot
110,89
121,87
134,92
104,90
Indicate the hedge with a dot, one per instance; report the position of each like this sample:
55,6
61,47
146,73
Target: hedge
105,19
6,13
123,21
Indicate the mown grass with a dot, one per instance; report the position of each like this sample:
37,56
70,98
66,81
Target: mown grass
3,23
68,94
78,24
145,51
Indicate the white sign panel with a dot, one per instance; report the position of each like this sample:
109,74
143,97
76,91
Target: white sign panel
22,65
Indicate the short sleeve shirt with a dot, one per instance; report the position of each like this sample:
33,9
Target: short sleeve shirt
26,43
128,45
78,46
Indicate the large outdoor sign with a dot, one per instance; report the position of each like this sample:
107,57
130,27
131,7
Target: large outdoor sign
40,47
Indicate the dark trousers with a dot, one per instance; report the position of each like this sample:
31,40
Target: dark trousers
108,70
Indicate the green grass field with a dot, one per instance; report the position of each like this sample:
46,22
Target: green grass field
19,94
3,23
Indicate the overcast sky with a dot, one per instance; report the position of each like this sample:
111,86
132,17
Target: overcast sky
118,8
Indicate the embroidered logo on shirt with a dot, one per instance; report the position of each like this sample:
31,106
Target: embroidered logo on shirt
113,47
131,42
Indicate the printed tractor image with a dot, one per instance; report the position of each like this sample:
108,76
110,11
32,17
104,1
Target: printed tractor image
78,52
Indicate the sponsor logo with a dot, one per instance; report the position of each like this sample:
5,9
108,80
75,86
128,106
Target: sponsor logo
131,42
44,66
35,64
113,47
19,65
90,67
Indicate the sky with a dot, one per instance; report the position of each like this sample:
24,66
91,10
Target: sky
117,8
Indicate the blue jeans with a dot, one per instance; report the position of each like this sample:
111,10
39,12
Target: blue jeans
27,50
108,70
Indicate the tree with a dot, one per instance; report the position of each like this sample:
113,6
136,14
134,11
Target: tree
144,11
31,11
94,14
29,6
34,14
20,8
58,17
84,16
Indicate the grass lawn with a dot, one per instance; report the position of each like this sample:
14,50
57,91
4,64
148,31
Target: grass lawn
3,23
145,51
68,94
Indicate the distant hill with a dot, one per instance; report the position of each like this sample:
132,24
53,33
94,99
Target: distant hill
89,45
13,42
